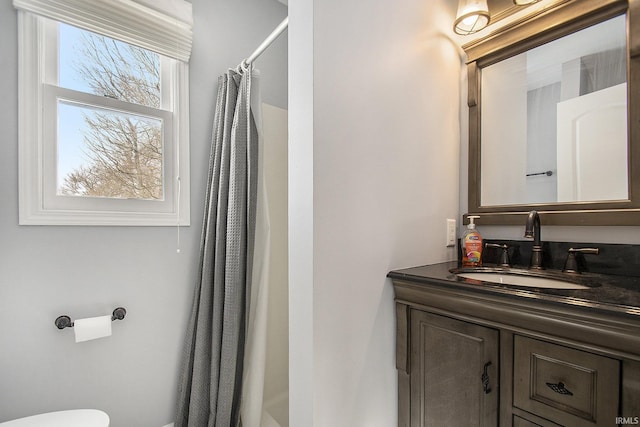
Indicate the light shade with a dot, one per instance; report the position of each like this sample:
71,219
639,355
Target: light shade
524,2
472,16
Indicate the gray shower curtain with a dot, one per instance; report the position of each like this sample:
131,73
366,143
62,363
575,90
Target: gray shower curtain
210,382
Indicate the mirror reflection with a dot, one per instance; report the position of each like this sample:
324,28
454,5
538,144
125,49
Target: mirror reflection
554,121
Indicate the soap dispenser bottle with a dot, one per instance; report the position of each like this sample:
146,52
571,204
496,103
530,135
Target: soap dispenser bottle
471,245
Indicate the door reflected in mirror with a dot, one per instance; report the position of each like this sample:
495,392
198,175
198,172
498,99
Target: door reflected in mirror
554,121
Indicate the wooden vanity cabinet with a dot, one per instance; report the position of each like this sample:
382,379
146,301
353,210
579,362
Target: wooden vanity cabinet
468,360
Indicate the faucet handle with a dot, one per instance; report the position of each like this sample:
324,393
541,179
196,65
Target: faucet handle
504,255
571,264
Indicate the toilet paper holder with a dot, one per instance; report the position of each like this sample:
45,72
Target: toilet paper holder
65,321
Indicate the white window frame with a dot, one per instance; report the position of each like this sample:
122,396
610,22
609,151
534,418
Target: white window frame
39,203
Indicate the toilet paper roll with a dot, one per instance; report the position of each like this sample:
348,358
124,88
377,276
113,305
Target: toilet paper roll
92,328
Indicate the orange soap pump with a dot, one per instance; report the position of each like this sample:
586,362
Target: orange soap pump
471,245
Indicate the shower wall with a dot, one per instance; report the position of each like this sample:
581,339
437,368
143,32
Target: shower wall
274,145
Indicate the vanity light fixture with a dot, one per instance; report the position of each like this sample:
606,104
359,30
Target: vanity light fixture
472,16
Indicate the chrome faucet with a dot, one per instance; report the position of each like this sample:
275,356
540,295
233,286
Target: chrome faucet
532,231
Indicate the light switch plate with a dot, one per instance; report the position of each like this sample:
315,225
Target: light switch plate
451,232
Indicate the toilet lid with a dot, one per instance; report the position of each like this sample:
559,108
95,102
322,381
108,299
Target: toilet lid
72,418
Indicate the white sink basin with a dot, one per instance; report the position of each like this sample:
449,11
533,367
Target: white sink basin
516,280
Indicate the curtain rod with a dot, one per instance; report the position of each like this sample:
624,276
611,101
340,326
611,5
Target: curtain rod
267,42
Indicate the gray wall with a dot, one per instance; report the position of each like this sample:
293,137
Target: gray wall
374,153
46,271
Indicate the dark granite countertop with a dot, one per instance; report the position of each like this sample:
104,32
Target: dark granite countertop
618,295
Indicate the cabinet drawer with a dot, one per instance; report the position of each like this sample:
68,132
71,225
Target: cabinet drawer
564,385
521,422
526,419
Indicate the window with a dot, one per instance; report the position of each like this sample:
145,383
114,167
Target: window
103,113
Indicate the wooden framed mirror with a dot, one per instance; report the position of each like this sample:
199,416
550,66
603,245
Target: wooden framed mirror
554,116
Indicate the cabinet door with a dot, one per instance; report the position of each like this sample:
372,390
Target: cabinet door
454,368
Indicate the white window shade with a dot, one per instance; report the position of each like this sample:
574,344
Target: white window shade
163,26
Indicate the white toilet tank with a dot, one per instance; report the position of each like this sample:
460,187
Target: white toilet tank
72,418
